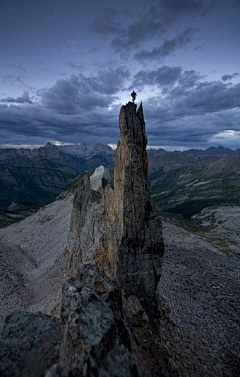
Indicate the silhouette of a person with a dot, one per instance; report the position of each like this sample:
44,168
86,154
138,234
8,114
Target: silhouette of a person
134,95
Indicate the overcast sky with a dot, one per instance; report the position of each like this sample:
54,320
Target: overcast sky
67,66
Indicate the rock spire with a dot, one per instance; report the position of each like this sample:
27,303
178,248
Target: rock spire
139,231
118,228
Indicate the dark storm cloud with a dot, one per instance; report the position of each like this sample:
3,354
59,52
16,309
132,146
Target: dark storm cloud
230,77
204,98
161,76
135,34
194,115
184,109
69,96
187,6
23,99
169,129
188,111
188,79
155,21
167,48
36,121
78,105
185,94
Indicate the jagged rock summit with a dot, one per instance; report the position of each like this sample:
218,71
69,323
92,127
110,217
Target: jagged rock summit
115,250
118,228
139,233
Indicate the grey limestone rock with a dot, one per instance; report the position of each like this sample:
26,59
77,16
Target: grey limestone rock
92,236
96,341
30,344
118,228
139,228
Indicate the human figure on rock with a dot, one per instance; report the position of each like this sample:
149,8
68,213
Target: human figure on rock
134,95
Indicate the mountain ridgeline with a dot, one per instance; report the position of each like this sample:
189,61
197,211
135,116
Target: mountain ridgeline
35,177
182,183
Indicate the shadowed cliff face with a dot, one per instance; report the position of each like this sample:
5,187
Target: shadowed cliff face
118,228
139,232
117,232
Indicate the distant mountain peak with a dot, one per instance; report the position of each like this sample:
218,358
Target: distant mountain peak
48,145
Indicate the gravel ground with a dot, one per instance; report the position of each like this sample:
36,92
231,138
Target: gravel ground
199,292
199,299
31,267
222,227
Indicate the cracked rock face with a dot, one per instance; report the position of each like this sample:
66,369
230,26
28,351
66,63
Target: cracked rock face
92,236
30,344
96,341
139,229
119,229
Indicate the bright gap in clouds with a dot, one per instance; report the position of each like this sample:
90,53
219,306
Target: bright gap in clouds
228,136
61,143
165,147
25,146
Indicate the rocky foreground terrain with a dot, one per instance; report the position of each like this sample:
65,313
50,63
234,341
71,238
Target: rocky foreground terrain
31,272
184,318
199,299
198,291
220,226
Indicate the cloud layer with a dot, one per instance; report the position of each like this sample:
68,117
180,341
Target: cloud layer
184,110
67,69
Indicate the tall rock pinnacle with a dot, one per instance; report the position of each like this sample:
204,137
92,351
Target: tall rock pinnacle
139,230
118,228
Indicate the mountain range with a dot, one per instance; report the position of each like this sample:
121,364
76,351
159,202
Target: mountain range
35,177
182,183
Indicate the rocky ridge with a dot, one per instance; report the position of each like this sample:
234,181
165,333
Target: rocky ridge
100,310
118,227
109,226
106,333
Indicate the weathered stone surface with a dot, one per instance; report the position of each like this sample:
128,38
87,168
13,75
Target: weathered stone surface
199,304
145,340
120,229
92,236
96,341
139,232
30,344
114,254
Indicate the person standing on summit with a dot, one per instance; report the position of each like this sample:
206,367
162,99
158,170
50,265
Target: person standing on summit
134,95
